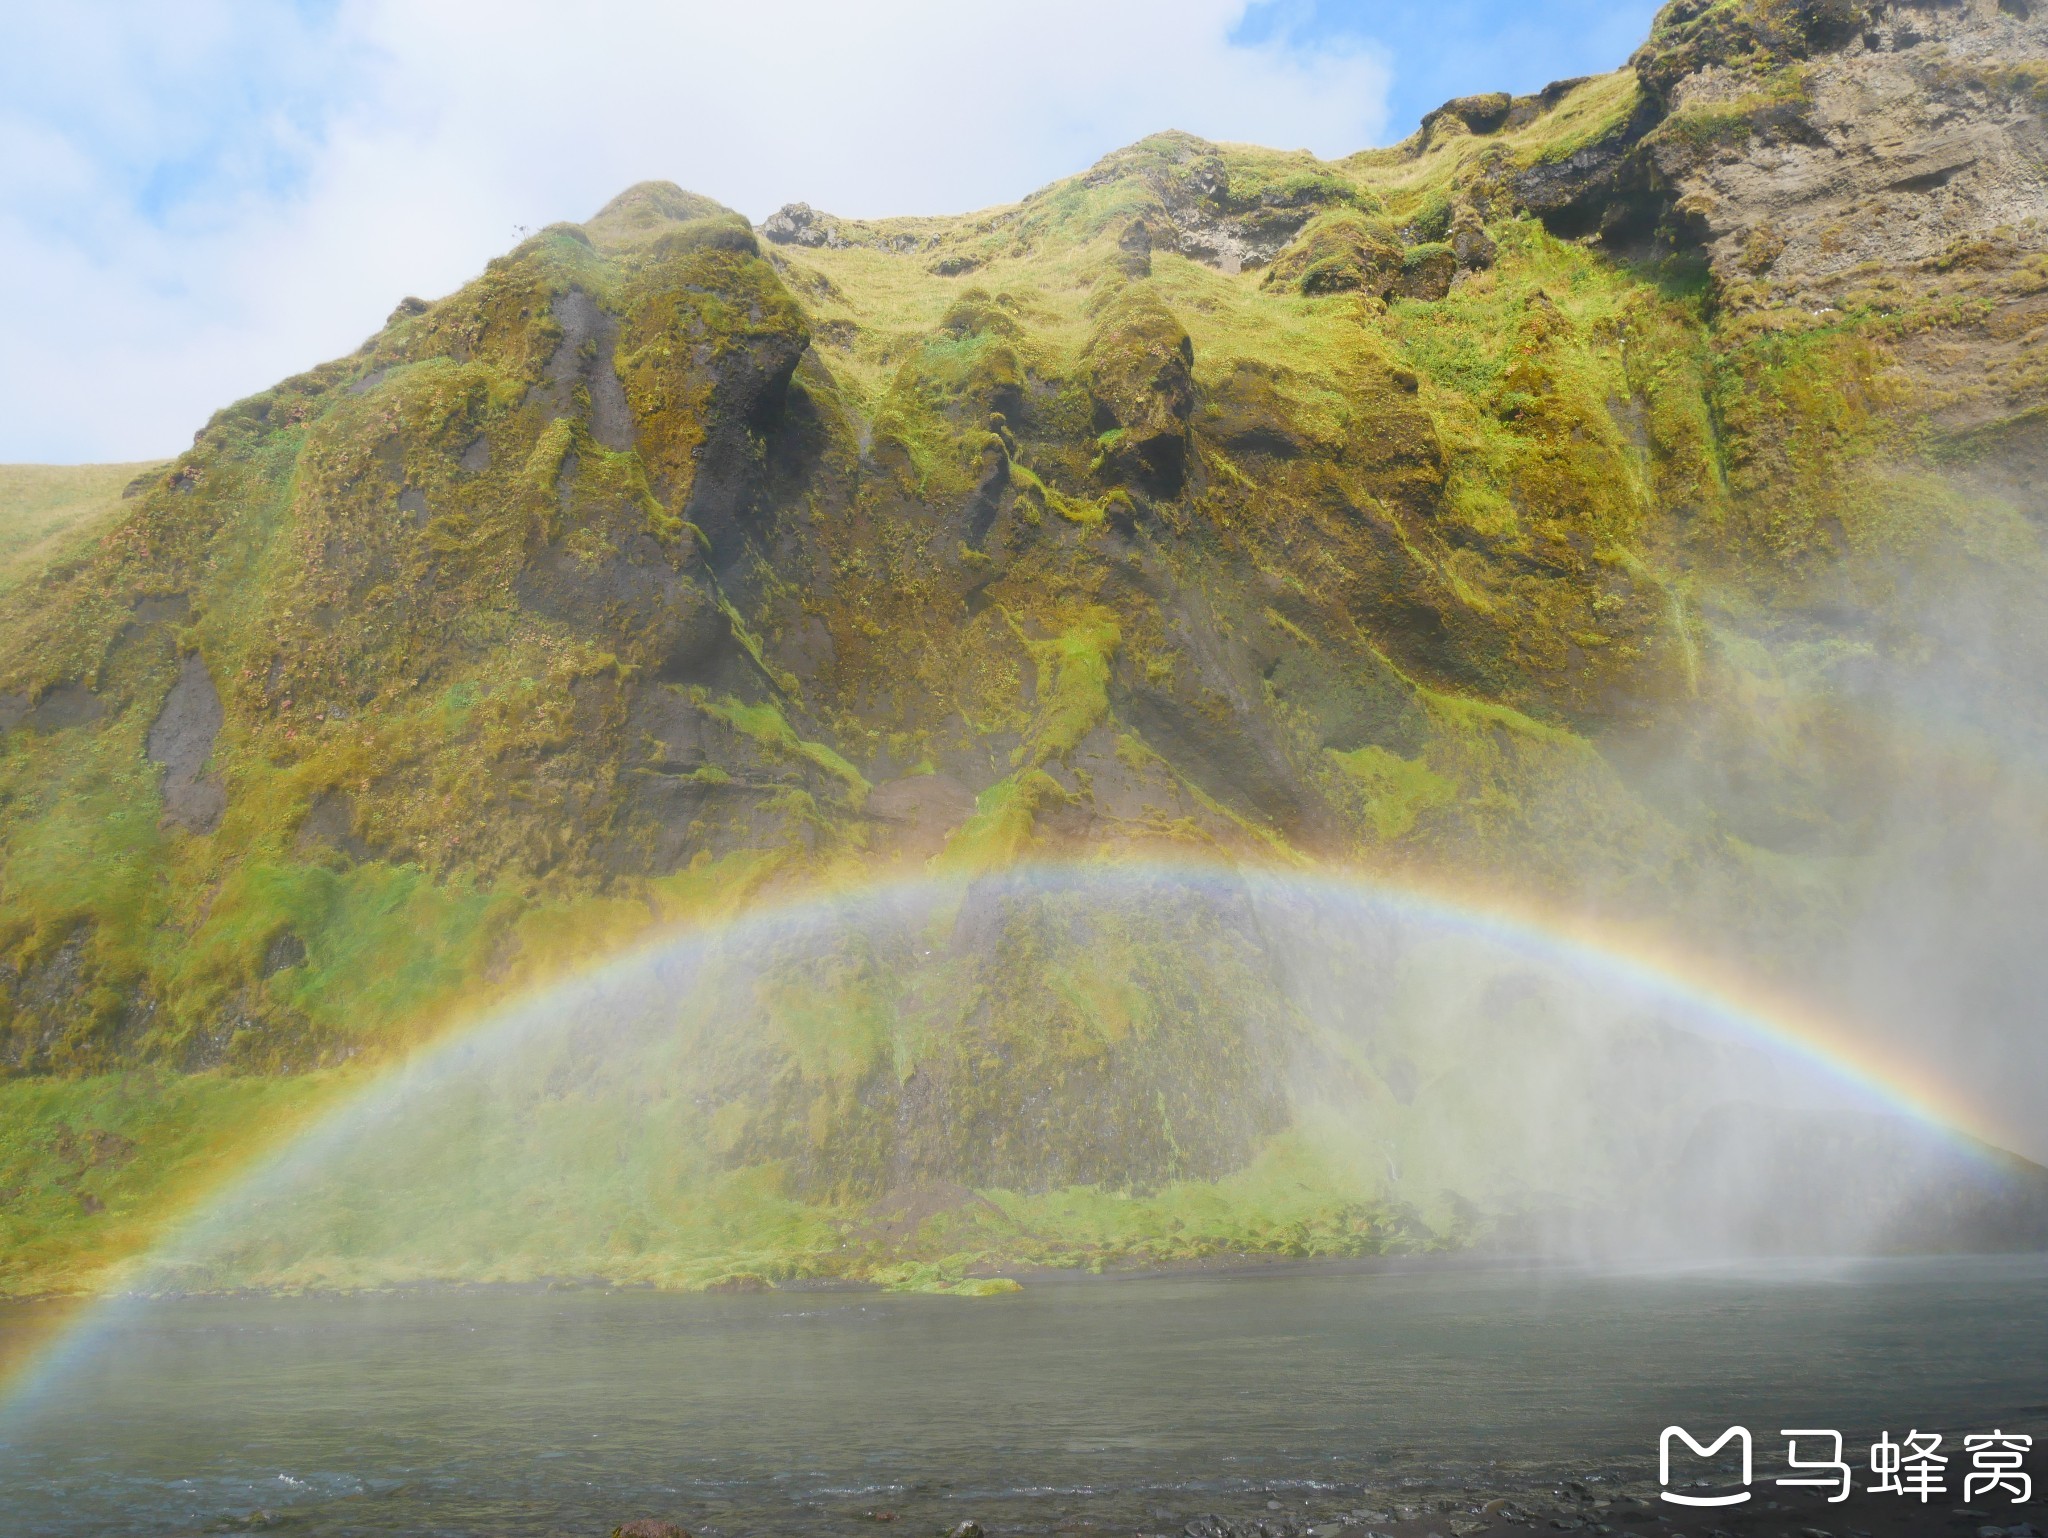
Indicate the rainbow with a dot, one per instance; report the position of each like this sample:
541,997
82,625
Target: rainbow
1637,961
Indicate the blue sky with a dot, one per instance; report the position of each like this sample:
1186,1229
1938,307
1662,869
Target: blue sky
201,197
1457,47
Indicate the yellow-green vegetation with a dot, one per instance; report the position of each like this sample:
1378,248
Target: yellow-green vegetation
95,1169
1218,500
47,509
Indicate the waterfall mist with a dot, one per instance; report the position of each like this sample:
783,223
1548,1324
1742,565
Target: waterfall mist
1099,1066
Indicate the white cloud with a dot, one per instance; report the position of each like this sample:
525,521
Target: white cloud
450,123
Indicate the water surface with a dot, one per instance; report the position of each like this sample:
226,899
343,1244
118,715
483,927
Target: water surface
1144,1399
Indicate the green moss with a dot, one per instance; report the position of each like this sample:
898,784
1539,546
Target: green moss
46,510
1073,684
1596,110
1293,1201
1338,252
98,1168
999,833
986,1287
1698,132
766,724
1755,37
1430,222
1398,790
1419,256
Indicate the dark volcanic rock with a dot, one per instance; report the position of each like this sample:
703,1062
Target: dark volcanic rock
582,362
181,742
64,707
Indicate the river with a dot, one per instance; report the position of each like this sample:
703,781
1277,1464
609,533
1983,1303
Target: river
1140,1400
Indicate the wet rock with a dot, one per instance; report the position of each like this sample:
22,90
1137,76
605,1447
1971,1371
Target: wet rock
285,950
180,743
1248,415
258,1521
1237,770
895,1220
584,357
968,1529
741,1281
649,1527
918,811
1862,1177
64,707
649,598
1604,187
330,824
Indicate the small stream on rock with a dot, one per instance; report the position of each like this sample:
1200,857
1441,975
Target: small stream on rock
1128,1403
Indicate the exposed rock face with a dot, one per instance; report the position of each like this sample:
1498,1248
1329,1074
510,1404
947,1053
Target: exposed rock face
181,742
581,375
920,812
1903,158
61,708
1834,155
799,224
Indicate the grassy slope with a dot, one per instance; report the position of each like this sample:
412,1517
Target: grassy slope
44,509
1670,522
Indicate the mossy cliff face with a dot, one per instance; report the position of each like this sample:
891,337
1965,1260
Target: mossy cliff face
1524,501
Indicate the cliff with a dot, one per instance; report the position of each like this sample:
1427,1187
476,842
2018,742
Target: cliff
1550,501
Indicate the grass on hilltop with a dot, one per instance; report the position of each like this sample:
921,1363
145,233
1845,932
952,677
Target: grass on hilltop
45,509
